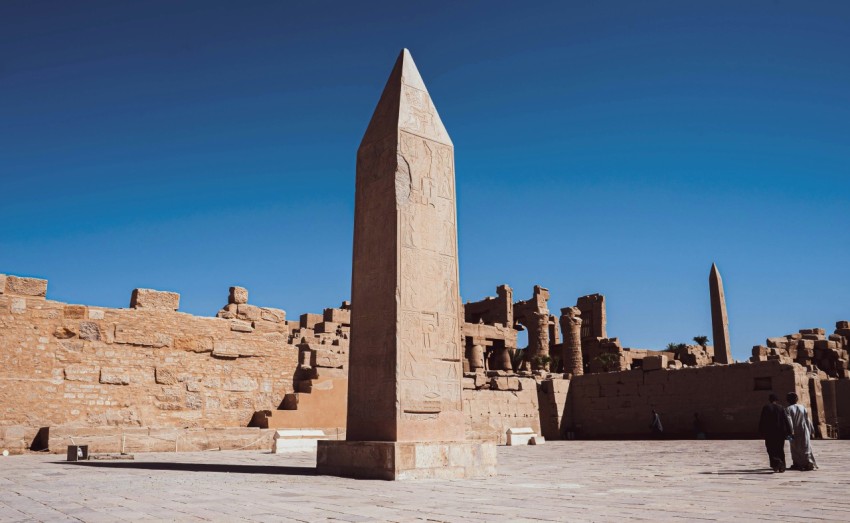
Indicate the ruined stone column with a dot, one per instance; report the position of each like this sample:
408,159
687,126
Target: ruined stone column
571,327
476,358
538,341
405,413
719,319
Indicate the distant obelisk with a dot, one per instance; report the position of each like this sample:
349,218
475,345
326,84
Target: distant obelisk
719,319
405,412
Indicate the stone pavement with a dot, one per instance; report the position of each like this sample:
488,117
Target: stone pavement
560,481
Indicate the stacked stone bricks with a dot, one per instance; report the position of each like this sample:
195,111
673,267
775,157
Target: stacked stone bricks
66,366
811,348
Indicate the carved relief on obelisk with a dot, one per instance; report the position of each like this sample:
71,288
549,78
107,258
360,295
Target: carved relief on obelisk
405,356
719,319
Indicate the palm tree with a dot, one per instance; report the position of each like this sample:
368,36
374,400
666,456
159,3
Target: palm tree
702,341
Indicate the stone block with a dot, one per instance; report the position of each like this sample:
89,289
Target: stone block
326,327
96,314
241,326
18,305
26,286
126,335
341,316
89,330
327,358
153,299
273,315
560,386
2,283
74,312
296,440
243,384
505,383
165,376
654,363
843,324
194,344
225,349
406,460
519,436
114,376
238,295
63,332
309,321
85,373
248,312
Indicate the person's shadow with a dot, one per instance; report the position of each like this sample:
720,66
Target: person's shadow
197,467
741,471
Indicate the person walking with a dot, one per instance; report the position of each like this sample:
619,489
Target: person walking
775,427
655,425
699,430
801,444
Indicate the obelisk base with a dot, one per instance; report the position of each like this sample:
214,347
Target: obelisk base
395,460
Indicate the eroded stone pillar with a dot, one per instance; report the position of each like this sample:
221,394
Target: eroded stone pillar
571,327
476,357
538,341
405,413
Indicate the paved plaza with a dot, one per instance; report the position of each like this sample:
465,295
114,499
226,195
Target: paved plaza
560,481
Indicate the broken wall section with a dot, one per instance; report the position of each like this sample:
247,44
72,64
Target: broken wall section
495,401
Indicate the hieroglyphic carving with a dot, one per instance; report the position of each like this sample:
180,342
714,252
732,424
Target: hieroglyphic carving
405,273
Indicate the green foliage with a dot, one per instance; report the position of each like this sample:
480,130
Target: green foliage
542,360
557,364
608,361
674,347
701,340
517,356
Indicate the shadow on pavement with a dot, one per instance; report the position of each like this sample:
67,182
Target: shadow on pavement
742,471
196,467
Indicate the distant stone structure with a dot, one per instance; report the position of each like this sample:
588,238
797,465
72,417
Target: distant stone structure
405,411
719,318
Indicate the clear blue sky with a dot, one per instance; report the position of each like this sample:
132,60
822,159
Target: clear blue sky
613,147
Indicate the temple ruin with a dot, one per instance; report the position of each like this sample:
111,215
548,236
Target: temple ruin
405,370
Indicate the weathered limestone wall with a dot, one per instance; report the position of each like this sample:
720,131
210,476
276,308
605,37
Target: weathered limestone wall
728,399
495,402
841,394
68,366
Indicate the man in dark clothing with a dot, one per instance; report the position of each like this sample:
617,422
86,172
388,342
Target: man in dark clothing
655,425
775,427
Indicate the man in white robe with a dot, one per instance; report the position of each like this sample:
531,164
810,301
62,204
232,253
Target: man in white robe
801,445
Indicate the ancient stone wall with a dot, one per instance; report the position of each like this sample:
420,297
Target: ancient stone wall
728,399
495,401
68,366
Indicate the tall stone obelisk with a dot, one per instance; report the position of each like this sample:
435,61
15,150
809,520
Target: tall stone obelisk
405,413
719,319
